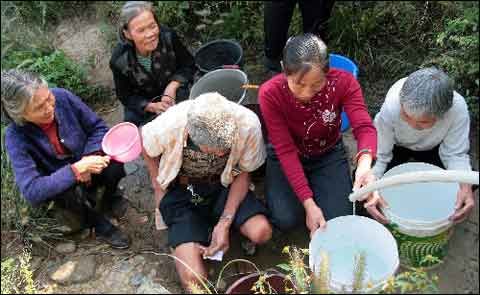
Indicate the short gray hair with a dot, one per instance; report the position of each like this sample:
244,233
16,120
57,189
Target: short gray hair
130,10
427,91
304,51
211,121
18,89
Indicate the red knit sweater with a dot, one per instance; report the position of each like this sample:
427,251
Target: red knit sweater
51,130
299,130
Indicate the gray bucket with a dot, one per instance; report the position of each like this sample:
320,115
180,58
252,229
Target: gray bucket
227,82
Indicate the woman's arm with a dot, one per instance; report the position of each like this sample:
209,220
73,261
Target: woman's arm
124,90
34,186
362,127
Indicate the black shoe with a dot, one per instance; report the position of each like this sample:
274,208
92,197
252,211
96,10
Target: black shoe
116,238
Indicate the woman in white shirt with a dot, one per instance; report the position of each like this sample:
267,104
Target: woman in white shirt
425,119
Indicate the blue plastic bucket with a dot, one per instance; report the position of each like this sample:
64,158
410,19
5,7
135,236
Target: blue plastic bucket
344,63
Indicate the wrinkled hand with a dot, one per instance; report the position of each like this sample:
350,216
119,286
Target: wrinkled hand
314,216
171,89
168,100
86,178
363,177
464,204
220,240
92,164
373,203
157,107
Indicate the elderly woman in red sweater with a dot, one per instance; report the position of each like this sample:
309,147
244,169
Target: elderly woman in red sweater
307,171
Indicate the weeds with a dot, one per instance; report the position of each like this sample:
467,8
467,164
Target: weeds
17,277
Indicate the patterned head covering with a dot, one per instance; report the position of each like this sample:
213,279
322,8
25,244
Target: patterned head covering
211,121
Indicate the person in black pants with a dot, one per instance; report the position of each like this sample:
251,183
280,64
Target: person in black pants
277,17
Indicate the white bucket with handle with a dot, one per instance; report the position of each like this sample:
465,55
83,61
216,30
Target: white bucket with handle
419,215
344,239
421,198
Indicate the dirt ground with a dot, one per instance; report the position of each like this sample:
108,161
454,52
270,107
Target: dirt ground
458,274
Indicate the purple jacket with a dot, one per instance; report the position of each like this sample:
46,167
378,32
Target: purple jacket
39,172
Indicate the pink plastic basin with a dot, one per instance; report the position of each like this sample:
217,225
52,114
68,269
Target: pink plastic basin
122,142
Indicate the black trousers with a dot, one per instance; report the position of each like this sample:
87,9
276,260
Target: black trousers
403,155
277,17
80,202
328,176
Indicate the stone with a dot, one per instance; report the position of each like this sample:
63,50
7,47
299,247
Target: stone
137,279
36,262
64,229
130,168
66,248
74,271
148,287
138,260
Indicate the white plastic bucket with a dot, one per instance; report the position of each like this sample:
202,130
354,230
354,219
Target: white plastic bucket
418,214
345,238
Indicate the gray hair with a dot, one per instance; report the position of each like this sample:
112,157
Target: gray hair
427,91
130,10
18,89
211,121
304,51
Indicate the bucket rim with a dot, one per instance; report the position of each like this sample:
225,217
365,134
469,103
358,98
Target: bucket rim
214,72
231,41
395,260
417,221
128,147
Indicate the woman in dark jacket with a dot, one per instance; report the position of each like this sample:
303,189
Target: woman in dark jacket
54,145
151,67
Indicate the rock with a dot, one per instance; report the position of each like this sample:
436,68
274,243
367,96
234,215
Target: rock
36,262
138,260
65,248
137,279
148,287
64,229
152,274
85,234
78,270
130,168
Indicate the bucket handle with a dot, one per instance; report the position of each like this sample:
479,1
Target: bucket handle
470,177
234,67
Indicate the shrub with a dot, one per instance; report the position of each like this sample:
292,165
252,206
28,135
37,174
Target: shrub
17,277
61,71
457,52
